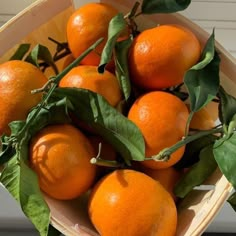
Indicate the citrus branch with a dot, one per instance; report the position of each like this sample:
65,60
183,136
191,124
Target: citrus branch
165,154
133,11
22,133
101,162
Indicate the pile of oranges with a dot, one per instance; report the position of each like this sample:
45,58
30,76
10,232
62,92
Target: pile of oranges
134,200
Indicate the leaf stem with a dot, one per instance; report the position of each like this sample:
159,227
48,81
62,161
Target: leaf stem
188,123
22,133
133,11
101,162
166,153
77,60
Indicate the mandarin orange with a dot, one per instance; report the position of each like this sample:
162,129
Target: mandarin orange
202,120
88,77
128,202
17,80
60,155
161,118
85,26
168,177
160,56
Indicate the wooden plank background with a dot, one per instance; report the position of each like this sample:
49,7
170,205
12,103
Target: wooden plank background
209,14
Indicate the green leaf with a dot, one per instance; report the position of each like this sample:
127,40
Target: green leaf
10,177
55,112
53,231
114,127
32,201
225,152
202,80
16,126
116,26
41,53
18,178
22,184
21,51
227,107
7,153
193,149
232,200
122,71
198,173
163,6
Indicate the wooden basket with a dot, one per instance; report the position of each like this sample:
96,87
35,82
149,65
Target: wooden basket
47,18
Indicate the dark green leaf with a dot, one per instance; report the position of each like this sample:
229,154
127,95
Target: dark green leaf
116,26
20,53
32,201
53,231
232,200
227,107
41,53
18,178
164,6
122,71
7,153
202,80
55,112
193,149
95,111
10,177
225,153
198,173
16,126
22,184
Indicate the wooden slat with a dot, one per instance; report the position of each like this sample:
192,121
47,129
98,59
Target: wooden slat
13,6
4,18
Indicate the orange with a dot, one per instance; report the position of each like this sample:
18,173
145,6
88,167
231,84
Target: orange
167,177
88,77
159,56
161,118
202,120
128,202
60,155
67,61
17,80
85,26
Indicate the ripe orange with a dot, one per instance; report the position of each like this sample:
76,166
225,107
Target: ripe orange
17,80
128,202
85,26
168,177
162,118
202,120
159,57
67,61
87,77
60,155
